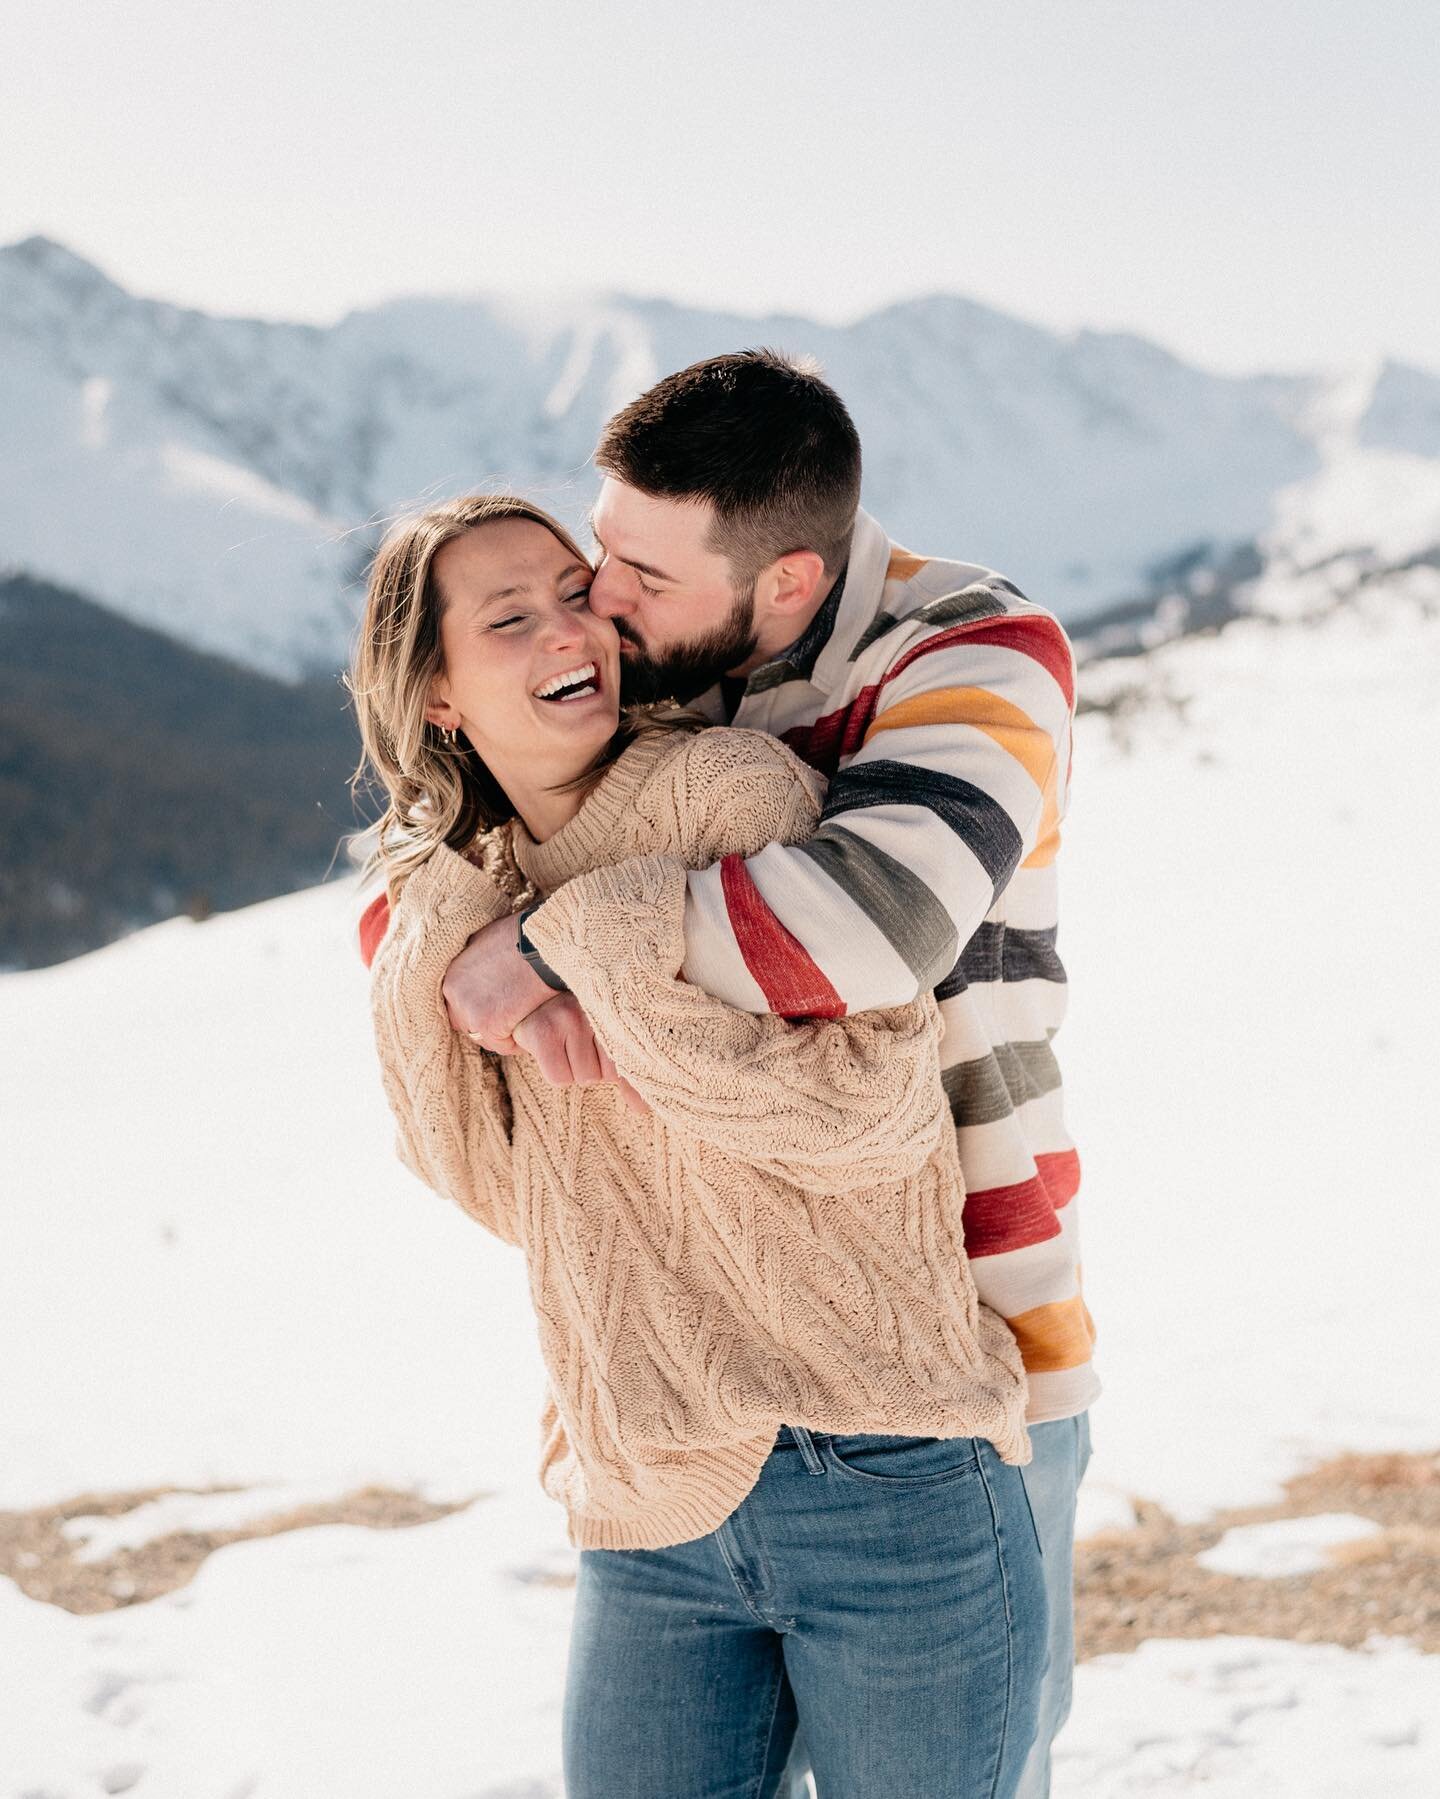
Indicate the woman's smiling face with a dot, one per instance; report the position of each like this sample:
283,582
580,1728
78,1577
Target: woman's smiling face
531,676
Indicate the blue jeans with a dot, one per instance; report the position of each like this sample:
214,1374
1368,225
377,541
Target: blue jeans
887,1591
1052,1479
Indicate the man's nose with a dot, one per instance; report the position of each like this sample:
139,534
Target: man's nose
607,593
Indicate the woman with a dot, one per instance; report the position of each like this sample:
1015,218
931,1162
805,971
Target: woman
746,1262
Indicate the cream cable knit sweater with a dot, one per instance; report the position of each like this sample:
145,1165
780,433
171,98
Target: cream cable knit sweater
779,1241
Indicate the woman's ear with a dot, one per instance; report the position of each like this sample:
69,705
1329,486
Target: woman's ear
438,710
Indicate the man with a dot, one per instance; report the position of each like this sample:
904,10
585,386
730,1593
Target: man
744,580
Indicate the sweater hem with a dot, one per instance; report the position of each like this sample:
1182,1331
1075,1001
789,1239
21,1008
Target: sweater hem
681,1520
696,1514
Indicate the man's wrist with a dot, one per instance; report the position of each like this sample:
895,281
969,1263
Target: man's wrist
532,955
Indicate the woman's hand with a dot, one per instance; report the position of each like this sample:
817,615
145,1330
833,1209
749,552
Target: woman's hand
559,1036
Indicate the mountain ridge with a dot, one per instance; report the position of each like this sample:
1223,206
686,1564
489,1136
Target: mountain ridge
140,777
225,479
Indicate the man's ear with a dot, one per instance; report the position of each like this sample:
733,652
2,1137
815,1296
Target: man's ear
790,584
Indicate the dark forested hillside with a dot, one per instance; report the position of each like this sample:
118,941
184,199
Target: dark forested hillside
139,778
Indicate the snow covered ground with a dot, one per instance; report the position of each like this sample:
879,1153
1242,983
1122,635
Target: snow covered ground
213,1272
1287,1546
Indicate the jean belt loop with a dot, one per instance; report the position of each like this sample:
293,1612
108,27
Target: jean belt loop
810,1455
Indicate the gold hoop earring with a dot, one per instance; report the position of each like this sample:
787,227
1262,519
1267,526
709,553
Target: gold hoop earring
448,733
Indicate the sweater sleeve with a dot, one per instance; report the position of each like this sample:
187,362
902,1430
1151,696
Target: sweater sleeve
448,1095
830,1105
961,747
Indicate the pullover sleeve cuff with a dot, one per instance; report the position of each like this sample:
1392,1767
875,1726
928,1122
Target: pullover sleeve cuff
612,925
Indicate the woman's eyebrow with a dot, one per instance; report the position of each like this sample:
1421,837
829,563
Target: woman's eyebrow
506,593
517,588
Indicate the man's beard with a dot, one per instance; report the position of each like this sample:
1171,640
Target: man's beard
685,672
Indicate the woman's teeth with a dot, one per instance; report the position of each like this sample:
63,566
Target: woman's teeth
574,684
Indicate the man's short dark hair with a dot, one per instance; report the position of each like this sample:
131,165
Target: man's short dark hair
760,436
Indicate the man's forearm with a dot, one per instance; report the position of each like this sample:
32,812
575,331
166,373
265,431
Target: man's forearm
958,779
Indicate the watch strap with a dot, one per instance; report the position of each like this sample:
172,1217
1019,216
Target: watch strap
532,955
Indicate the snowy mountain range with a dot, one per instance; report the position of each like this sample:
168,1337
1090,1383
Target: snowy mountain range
224,480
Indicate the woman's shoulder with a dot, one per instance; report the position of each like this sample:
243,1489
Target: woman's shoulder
729,753
728,790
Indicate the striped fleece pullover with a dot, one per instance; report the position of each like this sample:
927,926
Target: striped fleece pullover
938,701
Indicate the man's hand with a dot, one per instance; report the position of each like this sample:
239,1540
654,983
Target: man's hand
490,987
559,1036
496,998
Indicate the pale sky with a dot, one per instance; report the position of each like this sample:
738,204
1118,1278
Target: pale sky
1253,185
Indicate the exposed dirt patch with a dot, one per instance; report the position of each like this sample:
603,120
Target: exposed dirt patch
41,1559
1132,1584
1144,1582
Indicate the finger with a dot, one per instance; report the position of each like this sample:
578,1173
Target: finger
634,1100
500,1046
554,1063
584,1054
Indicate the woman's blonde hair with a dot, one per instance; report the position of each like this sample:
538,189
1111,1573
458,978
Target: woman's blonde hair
438,792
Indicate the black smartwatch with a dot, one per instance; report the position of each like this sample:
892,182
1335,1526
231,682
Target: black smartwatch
532,955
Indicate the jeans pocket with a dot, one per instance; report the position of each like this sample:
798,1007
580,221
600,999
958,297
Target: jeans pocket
891,1461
